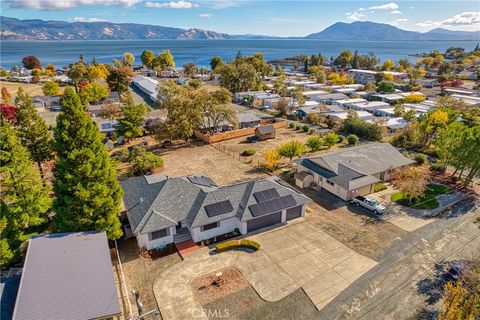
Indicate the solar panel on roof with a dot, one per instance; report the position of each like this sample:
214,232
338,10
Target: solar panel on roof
272,205
218,208
266,195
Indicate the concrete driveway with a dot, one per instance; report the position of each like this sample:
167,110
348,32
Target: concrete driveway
297,255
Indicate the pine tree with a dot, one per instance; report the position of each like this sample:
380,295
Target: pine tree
32,130
88,194
24,201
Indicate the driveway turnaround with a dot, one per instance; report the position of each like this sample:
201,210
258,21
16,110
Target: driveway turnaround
297,255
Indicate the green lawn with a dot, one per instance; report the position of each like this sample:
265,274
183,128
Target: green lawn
427,201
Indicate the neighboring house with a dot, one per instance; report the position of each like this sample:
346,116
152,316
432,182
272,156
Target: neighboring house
144,71
366,76
68,276
389,97
369,106
345,103
113,96
341,116
165,210
351,172
47,102
328,98
147,85
469,100
247,120
265,132
395,124
106,126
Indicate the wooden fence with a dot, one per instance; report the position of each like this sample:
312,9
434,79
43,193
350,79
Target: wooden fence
237,133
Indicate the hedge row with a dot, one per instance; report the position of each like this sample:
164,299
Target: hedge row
234,244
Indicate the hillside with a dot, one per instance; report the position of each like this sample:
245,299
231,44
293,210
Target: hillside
15,29
371,31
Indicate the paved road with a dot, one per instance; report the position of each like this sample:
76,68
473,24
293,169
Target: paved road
391,289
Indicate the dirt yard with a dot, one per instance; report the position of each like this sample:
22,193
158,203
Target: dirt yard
32,89
202,158
218,284
140,273
282,135
236,146
198,157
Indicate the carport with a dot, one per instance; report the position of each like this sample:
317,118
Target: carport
264,221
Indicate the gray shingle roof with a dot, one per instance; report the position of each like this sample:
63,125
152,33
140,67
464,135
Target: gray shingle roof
67,276
178,199
355,167
266,129
245,117
367,159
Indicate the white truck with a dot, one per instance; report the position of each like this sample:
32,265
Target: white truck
370,204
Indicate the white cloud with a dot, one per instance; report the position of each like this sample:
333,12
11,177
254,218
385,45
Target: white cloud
361,9
206,15
171,5
470,18
413,8
57,5
355,15
398,22
396,12
221,4
83,19
387,6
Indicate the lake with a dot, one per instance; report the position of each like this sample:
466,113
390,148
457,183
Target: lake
61,53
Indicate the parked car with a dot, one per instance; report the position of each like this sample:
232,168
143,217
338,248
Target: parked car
370,204
253,139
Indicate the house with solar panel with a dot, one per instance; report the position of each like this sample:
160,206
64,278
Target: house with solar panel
162,210
351,172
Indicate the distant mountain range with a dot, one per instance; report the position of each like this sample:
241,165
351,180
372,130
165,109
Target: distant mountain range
15,29
372,31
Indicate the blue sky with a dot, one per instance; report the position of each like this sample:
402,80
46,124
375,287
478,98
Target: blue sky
280,18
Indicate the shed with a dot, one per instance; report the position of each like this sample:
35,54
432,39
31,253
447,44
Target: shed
67,276
265,132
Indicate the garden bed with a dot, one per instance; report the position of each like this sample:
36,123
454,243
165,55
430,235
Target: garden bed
426,202
156,253
218,284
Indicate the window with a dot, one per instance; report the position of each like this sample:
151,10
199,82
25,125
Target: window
158,234
210,226
330,183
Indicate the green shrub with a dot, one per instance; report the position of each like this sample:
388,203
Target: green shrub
438,167
379,187
305,128
352,139
291,125
234,244
311,131
331,138
298,127
250,244
248,153
314,143
420,158
227,245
